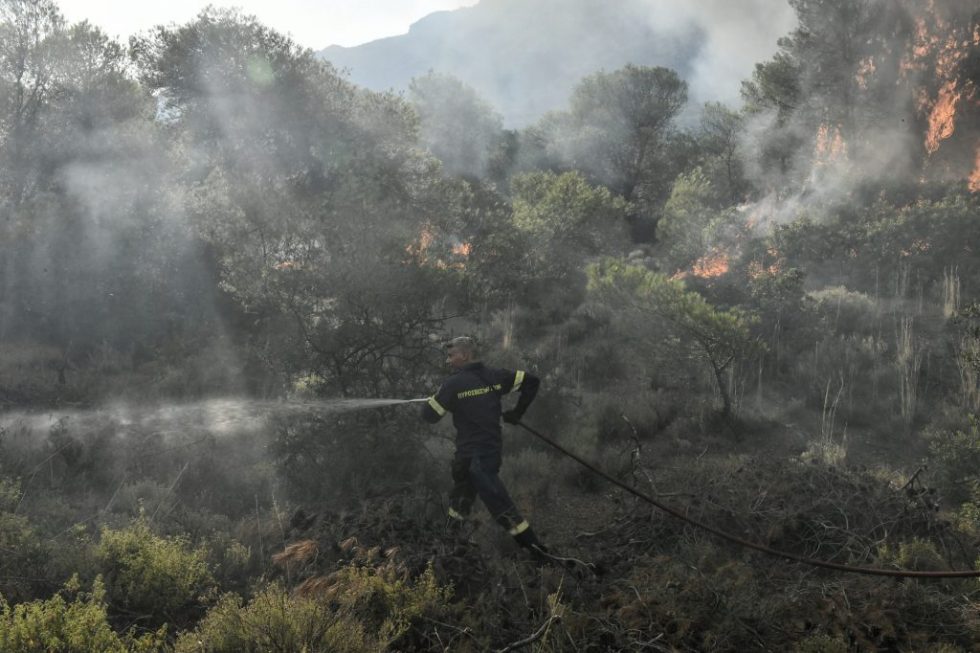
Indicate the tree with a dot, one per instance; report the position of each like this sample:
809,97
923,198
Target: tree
31,33
830,42
458,126
772,96
564,222
857,84
775,84
691,225
720,337
567,219
94,253
619,123
619,132
809,84
312,192
719,139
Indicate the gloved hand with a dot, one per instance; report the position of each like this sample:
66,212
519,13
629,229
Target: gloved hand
512,416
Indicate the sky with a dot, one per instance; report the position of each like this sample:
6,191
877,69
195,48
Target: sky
314,24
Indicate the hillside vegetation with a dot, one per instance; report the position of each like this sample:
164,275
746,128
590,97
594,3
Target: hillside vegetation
213,243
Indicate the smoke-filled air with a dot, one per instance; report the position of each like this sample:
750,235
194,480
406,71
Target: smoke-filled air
546,326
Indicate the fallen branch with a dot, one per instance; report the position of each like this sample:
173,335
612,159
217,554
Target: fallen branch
538,634
912,480
460,632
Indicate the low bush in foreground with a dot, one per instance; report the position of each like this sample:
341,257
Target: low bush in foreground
69,621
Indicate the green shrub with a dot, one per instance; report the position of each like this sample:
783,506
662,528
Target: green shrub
273,621
916,554
821,643
943,647
967,517
307,445
131,497
23,555
825,451
847,312
151,575
956,458
57,625
9,494
354,610
231,562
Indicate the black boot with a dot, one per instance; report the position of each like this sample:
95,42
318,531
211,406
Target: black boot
542,555
529,540
456,524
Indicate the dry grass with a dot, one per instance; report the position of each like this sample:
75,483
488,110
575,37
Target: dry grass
298,553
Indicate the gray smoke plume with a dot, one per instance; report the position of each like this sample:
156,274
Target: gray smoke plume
526,56
734,36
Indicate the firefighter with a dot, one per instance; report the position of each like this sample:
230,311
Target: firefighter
473,395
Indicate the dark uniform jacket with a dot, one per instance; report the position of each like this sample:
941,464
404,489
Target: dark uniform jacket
473,395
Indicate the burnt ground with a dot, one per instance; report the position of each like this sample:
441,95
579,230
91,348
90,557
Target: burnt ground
666,585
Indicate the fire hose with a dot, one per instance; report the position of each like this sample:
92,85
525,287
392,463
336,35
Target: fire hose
872,571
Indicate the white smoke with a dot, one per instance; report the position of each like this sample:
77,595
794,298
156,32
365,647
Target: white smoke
525,56
737,35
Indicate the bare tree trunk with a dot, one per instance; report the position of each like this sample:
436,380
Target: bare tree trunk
726,398
909,360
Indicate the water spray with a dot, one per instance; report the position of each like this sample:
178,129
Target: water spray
224,415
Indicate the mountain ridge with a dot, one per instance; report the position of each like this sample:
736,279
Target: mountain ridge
524,56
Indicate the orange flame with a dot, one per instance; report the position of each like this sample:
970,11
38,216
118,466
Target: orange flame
866,68
713,264
942,118
922,44
762,268
974,182
829,145
418,247
422,252
756,270
922,100
917,246
949,57
937,39
923,40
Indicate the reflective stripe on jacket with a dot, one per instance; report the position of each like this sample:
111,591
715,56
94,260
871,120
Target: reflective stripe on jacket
473,395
